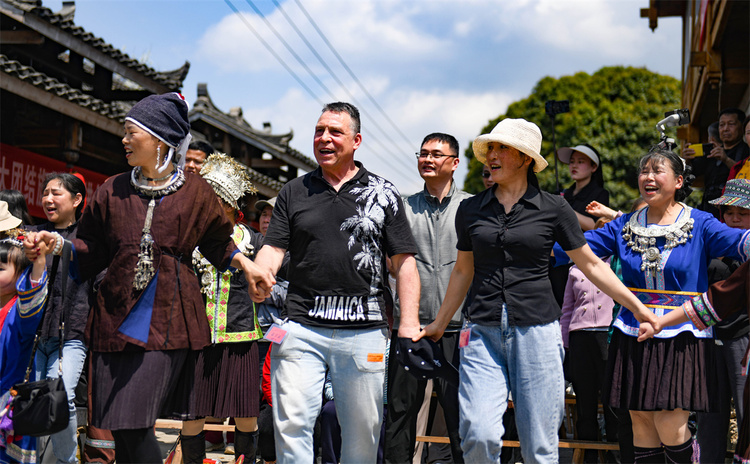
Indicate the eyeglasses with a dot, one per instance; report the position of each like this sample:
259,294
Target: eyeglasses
436,155
486,174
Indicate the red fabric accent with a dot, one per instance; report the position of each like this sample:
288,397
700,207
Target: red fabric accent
6,309
266,381
83,179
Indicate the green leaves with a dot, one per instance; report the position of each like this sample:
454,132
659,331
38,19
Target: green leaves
615,110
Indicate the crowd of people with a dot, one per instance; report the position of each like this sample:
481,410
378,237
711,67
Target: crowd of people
332,325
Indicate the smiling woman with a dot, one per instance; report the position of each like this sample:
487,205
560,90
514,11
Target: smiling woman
149,316
512,342
664,250
63,195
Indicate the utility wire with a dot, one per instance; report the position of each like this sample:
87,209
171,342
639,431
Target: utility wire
275,55
351,73
289,48
296,56
289,69
372,120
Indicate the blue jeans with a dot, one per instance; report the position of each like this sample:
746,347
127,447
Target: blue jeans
356,359
64,442
527,361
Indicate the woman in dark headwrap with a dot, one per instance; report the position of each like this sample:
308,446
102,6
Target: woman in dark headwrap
143,226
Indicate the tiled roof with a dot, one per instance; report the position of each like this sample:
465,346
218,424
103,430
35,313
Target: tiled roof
115,110
49,84
64,20
279,143
262,179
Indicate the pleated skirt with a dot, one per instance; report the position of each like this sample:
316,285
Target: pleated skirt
222,380
742,452
129,388
661,373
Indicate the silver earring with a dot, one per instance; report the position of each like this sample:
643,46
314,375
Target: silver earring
158,156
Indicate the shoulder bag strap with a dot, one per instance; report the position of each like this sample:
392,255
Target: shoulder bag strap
50,284
67,251
65,259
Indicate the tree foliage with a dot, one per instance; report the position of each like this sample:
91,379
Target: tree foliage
615,110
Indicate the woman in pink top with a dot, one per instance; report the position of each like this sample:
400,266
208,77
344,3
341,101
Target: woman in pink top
586,316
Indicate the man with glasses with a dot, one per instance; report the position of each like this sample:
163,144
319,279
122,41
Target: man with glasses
487,177
431,214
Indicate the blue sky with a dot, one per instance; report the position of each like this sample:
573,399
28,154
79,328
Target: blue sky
431,65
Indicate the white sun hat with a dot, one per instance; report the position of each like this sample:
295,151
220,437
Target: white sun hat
520,134
7,220
565,153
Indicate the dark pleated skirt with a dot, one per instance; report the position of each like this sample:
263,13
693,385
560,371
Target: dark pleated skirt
742,452
129,388
222,380
669,373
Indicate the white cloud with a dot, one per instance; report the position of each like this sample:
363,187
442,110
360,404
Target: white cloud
432,66
420,112
364,31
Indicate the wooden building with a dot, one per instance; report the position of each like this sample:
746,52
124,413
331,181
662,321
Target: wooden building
715,57
64,94
270,159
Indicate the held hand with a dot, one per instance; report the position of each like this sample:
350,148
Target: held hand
42,251
260,282
687,152
33,240
645,331
599,210
718,153
432,331
645,315
408,330
29,245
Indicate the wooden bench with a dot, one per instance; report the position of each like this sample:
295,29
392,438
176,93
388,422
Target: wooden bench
569,421
175,424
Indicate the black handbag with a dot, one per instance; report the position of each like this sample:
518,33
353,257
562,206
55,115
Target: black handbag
41,408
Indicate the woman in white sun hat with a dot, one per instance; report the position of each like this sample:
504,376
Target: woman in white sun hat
585,167
511,341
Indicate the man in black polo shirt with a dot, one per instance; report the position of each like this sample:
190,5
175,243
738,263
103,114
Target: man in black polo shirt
338,224
715,166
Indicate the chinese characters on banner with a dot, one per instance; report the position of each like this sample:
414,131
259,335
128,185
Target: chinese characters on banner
25,171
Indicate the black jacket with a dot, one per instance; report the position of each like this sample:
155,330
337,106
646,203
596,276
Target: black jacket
78,297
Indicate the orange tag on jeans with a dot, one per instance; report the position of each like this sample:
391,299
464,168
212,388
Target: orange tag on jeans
374,357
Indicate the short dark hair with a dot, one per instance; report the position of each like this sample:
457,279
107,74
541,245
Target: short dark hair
530,174
745,123
678,166
348,108
13,254
200,145
713,130
72,184
445,138
598,175
735,111
17,205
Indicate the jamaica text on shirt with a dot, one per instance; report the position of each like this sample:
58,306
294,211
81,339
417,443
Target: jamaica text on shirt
338,308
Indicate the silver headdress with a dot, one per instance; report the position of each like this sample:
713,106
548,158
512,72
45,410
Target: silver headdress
229,178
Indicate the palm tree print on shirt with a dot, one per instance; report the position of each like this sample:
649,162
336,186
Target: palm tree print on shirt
366,228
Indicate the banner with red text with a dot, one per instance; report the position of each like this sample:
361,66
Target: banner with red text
25,171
